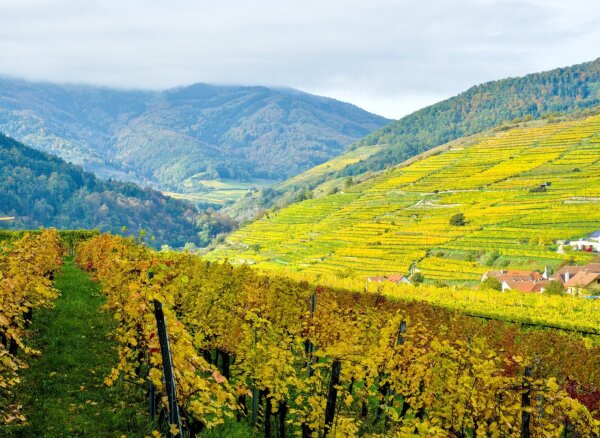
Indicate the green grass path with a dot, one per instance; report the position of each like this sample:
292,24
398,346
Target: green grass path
62,391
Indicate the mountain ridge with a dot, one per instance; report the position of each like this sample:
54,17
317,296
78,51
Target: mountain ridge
164,138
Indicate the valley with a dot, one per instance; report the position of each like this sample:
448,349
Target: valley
208,261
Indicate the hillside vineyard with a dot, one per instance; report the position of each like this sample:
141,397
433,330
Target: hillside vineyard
27,267
323,362
401,217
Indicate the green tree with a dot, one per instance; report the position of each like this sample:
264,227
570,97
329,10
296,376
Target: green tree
417,278
555,288
458,220
491,283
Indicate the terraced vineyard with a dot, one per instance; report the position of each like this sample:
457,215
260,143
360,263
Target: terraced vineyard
402,216
334,165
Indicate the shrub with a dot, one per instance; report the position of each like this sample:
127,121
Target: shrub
491,283
417,278
458,220
555,288
538,189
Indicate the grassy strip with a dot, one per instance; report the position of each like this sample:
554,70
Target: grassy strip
62,391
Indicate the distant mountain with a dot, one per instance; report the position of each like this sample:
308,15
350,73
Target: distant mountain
177,139
560,91
37,189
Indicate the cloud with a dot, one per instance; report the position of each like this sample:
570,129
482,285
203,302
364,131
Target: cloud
389,56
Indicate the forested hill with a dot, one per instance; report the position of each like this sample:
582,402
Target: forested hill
192,134
551,94
37,189
481,107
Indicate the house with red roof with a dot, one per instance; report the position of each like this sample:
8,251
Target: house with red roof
584,279
524,281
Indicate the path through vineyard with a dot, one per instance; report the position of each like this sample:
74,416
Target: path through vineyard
62,391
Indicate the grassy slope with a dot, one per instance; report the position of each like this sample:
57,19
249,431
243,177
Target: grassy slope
218,192
62,391
395,218
332,166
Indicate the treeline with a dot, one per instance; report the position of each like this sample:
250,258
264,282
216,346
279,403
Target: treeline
288,358
41,190
560,91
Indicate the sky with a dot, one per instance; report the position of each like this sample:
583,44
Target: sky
390,57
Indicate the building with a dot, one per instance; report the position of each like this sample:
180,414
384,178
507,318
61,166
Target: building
398,279
583,280
591,243
524,281
566,273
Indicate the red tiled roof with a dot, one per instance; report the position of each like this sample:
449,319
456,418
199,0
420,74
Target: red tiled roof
395,277
515,275
583,279
523,286
543,284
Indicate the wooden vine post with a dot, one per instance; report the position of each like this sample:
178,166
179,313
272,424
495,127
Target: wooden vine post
526,404
165,350
306,430
336,368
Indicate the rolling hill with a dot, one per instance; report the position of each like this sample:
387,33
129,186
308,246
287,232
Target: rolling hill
540,95
184,140
401,216
37,189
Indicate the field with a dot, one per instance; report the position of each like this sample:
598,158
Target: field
335,164
218,192
401,217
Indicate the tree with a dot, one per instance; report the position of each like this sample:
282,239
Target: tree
555,288
304,195
458,220
491,283
417,278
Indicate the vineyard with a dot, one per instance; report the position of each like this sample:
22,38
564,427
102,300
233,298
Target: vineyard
401,217
283,357
331,166
27,267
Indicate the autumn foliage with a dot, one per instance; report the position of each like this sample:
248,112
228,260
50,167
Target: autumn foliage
237,335
27,267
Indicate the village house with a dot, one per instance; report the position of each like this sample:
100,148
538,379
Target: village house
578,278
584,279
524,281
567,273
573,278
589,244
